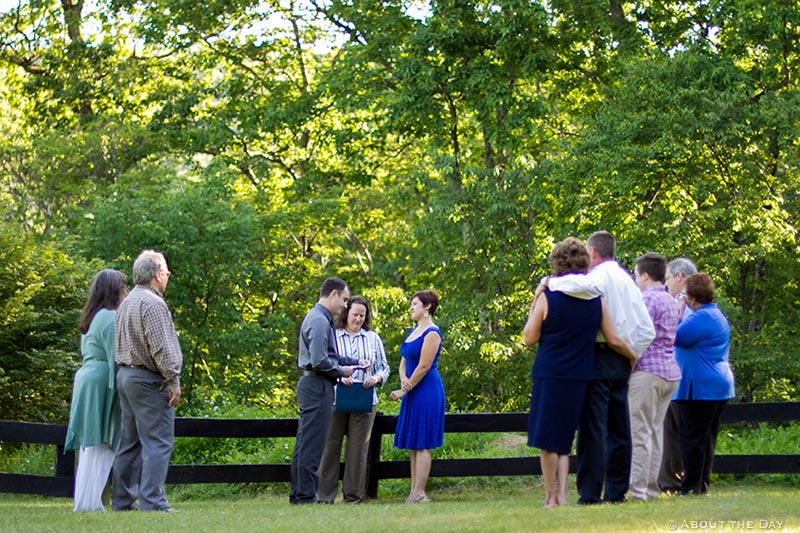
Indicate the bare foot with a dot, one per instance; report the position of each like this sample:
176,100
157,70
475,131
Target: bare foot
396,395
561,501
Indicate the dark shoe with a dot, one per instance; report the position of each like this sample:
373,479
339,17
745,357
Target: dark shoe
130,508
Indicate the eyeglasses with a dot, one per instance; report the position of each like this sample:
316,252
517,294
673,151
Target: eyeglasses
166,272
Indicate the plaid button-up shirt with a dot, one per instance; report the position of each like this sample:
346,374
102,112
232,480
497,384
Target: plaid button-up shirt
659,357
145,335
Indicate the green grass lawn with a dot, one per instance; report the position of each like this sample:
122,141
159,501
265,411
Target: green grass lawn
513,505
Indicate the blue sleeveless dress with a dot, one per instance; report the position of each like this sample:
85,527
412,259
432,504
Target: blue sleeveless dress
420,424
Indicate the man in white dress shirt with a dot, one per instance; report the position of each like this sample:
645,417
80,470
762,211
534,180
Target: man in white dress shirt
604,436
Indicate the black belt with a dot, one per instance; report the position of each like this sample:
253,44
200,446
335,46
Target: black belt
140,367
319,374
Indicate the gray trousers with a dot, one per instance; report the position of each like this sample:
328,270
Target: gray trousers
358,428
315,397
148,429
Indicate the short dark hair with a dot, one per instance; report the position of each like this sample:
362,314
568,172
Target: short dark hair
427,297
330,285
701,287
603,242
569,256
654,265
104,293
341,320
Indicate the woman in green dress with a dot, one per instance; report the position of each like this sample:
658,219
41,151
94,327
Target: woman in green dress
94,420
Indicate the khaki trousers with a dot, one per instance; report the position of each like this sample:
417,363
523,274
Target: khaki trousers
648,399
358,428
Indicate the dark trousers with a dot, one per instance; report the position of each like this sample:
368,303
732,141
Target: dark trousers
148,429
315,397
604,435
699,422
670,478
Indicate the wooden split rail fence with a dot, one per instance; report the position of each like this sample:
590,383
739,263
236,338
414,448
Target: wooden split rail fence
62,483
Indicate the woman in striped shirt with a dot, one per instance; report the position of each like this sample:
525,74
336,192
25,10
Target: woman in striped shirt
353,339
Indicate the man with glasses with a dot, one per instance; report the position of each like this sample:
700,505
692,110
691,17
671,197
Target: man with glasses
670,478
147,351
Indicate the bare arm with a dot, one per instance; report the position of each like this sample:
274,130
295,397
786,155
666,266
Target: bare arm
533,327
402,371
399,393
613,340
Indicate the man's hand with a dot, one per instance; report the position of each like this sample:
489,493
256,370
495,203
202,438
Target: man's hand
174,395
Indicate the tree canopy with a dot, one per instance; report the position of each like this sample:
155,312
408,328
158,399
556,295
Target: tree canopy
401,145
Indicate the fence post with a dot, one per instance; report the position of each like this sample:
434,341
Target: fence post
65,465
373,457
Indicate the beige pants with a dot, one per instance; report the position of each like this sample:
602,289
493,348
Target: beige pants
357,427
648,400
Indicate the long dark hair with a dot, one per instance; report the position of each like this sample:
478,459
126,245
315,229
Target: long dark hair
104,293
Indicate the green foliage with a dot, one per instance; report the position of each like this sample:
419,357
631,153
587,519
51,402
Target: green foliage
32,459
264,146
41,293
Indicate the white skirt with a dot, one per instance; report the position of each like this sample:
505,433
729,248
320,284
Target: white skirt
94,466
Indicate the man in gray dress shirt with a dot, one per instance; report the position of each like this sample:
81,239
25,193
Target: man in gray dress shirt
147,351
320,365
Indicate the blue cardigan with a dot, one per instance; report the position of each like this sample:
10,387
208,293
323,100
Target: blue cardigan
701,349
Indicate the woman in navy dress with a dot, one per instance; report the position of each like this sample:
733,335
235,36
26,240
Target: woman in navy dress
565,328
420,424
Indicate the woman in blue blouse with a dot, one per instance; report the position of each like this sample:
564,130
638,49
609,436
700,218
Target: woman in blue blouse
701,349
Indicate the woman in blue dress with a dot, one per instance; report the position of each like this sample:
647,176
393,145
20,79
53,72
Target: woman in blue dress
420,424
565,328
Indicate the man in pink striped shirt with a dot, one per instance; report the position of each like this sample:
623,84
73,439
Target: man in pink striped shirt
654,379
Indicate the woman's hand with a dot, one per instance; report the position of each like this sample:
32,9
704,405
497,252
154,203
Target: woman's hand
372,381
396,395
346,381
